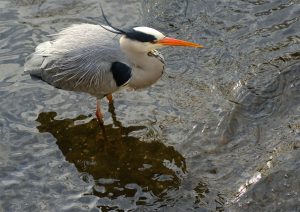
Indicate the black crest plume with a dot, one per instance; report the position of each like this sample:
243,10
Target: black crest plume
117,30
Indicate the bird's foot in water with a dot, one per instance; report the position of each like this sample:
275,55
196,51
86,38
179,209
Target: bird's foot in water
109,97
99,115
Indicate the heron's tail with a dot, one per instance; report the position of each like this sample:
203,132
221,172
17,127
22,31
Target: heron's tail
36,61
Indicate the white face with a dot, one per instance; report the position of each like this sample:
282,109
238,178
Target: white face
137,46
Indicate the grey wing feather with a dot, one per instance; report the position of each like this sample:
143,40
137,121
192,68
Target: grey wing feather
36,60
79,59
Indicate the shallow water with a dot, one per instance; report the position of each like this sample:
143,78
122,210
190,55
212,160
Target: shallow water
220,131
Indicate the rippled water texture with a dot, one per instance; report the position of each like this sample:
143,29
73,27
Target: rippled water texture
220,131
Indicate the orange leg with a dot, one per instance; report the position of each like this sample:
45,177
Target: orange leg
99,115
109,97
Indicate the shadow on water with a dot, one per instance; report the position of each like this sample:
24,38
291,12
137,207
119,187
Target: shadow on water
120,164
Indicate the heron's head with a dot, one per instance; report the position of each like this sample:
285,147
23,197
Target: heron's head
145,39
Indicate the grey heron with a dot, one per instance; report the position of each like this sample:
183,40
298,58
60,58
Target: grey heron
92,59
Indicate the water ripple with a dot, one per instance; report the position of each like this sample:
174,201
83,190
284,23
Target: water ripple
219,117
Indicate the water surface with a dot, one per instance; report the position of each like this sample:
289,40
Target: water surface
220,130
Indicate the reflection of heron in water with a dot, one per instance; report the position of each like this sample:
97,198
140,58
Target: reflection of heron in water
117,160
87,58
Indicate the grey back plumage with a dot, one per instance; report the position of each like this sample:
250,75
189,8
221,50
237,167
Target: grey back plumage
78,59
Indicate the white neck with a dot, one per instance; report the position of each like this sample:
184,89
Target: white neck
146,69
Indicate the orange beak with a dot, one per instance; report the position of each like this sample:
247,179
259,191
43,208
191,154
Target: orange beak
175,42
